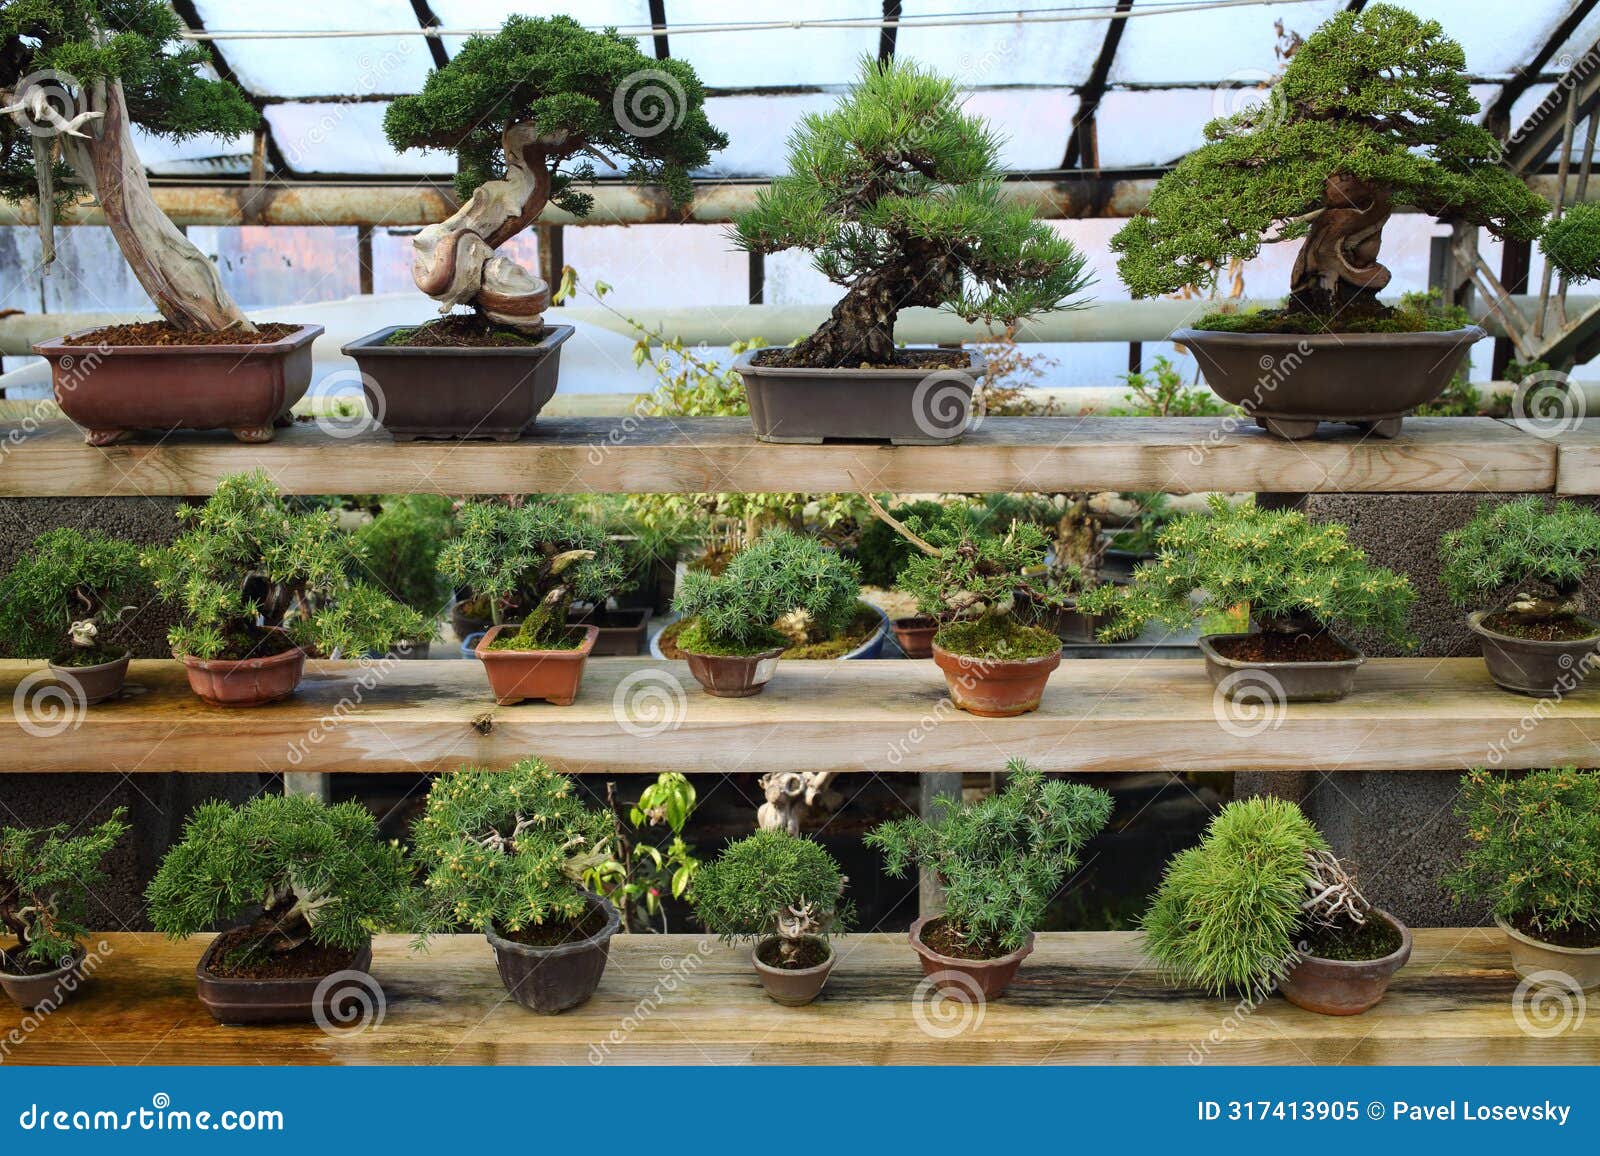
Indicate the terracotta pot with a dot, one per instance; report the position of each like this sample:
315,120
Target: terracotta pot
793,987
247,681
115,391
1280,682
1528,666
46,991
1345,987
553,979
92,684
915,636
734,675
553,675
1290,382
303,999
993,687
905,407
622,632
429,391
1530,957
967,980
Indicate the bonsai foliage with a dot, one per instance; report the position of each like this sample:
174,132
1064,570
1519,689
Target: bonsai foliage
1539,549
399,550
46,877
1294,574
899,195
305,871
541,554
1534,852
67,593
772,883
247,561
1002,860
1372,113
778,574
1572,243
503,850
76,75
524,111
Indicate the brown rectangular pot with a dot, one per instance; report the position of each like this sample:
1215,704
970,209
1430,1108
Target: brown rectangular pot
553,675
425,391
264,1001
622,632
114,391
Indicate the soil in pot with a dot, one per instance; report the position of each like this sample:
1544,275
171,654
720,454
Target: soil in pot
1545,657
1555,628
1581,936
725,672
308,961
247,987
995,668
967,976
590,924
1281,665
903,359
161,333
1566,957
1275,647
1372,940
1346,969
795,982
458,330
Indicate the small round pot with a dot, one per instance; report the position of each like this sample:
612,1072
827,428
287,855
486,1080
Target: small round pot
248,681
552,979
1345,987
48,990
873,646
793,987
996,688
734,675
1529,666
1530,956
915,635
94,683
1282,681
967,979
241,1000
553,675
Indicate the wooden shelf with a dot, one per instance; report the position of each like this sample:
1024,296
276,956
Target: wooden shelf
1176,455
1081,998
1579,459
1151,715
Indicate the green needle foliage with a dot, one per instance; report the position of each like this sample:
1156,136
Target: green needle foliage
248,561
46,876
1572,244
65,578
1278,562
503,850
1527,541
1534,852
771,883
777,574
400,548
1001,860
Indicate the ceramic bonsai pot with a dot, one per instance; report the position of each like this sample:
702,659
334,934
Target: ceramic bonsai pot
1533,667
552,979
1530,956
1285,681
553,675
115,391
247,681
966,979
873,646
915,636
905,407
993,687
1289,382
793,987
46,991
94,683
427,391
734,675
1345,987
622,632
235,1000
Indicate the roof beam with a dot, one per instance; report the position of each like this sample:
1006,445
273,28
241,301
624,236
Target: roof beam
427,19
1498,118
658,22
191,18
1083,146
887,33
1531,145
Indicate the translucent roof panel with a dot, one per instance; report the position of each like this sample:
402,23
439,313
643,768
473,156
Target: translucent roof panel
1588,31
1141,129
1006,53
787,56
346,138
1035,123
758,129
198,156
486,15
1205,47
1498,38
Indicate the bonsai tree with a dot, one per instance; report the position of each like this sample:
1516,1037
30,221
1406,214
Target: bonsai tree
304,872
76,76
773,886
46,876
1372,113
526,112
1539,550
66,595
247,562
899,195
399,550
1571,242
1000,861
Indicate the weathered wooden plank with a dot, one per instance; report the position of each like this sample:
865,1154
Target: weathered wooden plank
1406,714
631,455
678,999
1578,458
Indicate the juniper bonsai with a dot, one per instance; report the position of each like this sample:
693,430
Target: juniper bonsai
1372,113
1572,242
772,884
1539,550
399,550
899,195
46,878
67,594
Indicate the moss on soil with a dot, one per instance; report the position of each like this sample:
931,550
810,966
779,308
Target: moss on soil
691,637
999,638
1283,321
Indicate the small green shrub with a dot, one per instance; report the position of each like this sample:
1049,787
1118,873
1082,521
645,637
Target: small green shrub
68,592
639,870
1572,244
772,883
399,550
1539,549
779,573
1162,393
46,876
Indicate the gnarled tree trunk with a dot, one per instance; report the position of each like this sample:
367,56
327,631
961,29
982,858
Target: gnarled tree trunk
1337,271
861,328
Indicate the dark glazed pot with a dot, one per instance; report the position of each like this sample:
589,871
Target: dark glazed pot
915,636
1289,382
552,979
967,979
1280,682
793,987
247,681
114,391
734,675
92,684
1528,666
436,391
553,675
994,687
622,632
46,991
1345,987
233,1000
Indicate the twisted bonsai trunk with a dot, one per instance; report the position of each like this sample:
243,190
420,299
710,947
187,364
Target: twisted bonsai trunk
1336,274
860,330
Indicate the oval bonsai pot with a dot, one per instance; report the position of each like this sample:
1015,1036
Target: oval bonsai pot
460,391
552,979
115,391
1345,987
245,681
996,687
622,632
553,675
95,683
1285,681
734,675
905,407
235,1000
1531,666
1289,382
793,987
965,979
1530,956
915,635
46,991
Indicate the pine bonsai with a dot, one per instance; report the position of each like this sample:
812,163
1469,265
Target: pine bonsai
1572,242
247,563
76,76
1538,550
524,111
1372,113
773,885
1001,861
66,596
46,877
899,195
